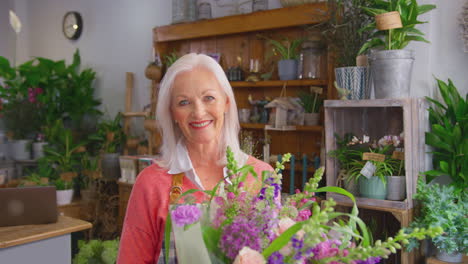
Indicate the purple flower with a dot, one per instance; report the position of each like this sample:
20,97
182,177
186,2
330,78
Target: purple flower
185,215
297,243
276,258
242,232
370,260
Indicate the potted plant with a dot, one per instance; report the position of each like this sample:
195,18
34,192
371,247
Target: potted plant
289,52
443,206
64,191
63,152
311,102
394,29
349,157
90,173
111,138
344,38
97,251
449,136
38,146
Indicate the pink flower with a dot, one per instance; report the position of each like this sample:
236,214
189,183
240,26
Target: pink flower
249,256
303,215
185,215
284,224
231,196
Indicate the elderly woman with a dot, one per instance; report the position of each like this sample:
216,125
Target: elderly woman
198,119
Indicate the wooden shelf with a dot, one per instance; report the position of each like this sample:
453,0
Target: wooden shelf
279,83
262,20
298,128
433,260
372,204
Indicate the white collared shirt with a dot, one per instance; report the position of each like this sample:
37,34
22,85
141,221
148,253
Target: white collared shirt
183,164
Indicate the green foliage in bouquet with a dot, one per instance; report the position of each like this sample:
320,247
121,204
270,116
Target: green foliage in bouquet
397,38
97,252
442,206
449,136
257,227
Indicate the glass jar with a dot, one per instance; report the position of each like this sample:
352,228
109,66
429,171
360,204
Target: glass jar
204,10
310,60
184,11
258,5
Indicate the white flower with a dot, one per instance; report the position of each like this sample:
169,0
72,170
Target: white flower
15,22
365,139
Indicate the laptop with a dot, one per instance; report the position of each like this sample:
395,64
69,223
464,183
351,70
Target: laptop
28,206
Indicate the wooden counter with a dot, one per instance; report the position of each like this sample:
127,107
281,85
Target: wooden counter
18,235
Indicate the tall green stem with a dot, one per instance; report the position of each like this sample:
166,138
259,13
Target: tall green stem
389,39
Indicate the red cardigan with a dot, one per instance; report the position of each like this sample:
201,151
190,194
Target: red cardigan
143,227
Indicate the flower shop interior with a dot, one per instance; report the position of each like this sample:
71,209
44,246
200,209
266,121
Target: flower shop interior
367,99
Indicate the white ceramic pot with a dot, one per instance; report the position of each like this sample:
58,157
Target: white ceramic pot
455,257
20,149
64,196
38,149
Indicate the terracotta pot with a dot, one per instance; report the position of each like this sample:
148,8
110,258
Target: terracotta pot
153,72
80,149
110,136
150,125
68,176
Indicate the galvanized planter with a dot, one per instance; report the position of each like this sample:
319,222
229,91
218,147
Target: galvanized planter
391,73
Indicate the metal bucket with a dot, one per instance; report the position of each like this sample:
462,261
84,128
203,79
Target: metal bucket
391,73
355,80
396,188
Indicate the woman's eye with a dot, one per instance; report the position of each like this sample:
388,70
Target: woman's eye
209,98
183,102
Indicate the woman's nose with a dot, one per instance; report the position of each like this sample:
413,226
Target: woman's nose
198,109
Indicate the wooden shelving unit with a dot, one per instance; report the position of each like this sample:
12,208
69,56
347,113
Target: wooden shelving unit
240,38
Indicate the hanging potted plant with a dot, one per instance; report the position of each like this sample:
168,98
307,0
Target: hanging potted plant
394,28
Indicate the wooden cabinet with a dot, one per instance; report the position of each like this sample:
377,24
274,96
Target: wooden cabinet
240,38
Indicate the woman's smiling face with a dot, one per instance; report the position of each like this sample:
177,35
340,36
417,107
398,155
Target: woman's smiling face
198,104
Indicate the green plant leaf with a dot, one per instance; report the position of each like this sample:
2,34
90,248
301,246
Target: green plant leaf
425,8
167,237
375,42
336,190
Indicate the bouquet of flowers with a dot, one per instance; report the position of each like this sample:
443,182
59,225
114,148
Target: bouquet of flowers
237,225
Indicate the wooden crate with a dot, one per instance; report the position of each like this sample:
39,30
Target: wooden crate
377,118
433,260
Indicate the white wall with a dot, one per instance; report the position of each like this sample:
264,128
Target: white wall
444,57
7,35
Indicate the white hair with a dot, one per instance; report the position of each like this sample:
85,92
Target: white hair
171,133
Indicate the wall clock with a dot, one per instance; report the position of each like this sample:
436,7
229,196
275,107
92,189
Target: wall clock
72,25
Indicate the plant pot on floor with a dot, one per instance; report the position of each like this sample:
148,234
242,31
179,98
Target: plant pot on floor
391,73
20,149
287,69
455,257
38,149
372,188
311,119
64,196
396,188
110,166
355,80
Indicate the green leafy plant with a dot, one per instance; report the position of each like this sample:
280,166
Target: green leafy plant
89,165
449,136
342,30
62,185
170,59
442,206
311,102
62,150
397,38
60,91
97,252
288,49
110,135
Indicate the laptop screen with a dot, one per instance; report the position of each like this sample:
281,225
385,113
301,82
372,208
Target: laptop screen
28,206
